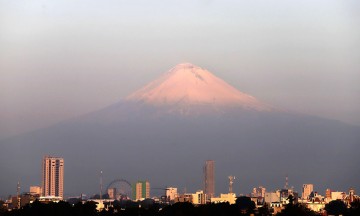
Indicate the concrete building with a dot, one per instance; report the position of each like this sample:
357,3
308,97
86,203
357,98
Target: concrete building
258,192
141,190
271,197
183,198
229,197
35,190
24,199
171,193
337,195
306,191
53,176
209,178
199,198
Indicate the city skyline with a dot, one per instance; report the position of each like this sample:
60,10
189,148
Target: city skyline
53,173
150,91
273,201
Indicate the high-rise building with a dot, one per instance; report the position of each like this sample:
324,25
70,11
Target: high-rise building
53,176
209,178
306,191
141,190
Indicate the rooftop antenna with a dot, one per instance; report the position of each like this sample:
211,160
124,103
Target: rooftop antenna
18,195
231,181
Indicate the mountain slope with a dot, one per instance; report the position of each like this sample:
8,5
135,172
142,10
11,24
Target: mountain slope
165,131
187,85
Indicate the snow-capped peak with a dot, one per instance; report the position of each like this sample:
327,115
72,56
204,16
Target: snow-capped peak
187,85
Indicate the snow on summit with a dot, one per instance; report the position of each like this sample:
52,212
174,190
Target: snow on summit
188,85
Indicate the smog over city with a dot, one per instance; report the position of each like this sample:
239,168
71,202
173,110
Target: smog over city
132,99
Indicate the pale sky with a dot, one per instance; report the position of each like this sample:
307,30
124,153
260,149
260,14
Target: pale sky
61,59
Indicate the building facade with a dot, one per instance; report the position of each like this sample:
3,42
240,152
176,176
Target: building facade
209,179
53,176
35,190
306,191
258,192
171,193
229,197
141,190
198,198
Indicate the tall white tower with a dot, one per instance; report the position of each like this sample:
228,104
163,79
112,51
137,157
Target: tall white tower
53,176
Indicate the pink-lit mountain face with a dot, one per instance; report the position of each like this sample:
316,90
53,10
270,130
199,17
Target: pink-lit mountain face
189,89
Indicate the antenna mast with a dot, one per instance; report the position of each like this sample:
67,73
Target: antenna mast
18,195
231,181
286,182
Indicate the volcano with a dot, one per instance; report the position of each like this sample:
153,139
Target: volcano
187,86
166,130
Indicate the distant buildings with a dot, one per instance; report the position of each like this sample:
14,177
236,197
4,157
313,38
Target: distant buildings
229,197
23,199
258,192
53,176
35,190
306,191
171,193
328,194
187,197
197,198
112,193
337,195
272,197
141,190
209,178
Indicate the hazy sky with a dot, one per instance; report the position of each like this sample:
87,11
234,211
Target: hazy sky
60,59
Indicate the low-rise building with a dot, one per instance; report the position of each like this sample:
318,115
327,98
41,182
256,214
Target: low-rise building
171,193
229,197
199,198
35,190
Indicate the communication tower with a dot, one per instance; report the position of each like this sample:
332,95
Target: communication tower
231,181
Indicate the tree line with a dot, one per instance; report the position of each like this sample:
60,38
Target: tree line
243,206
